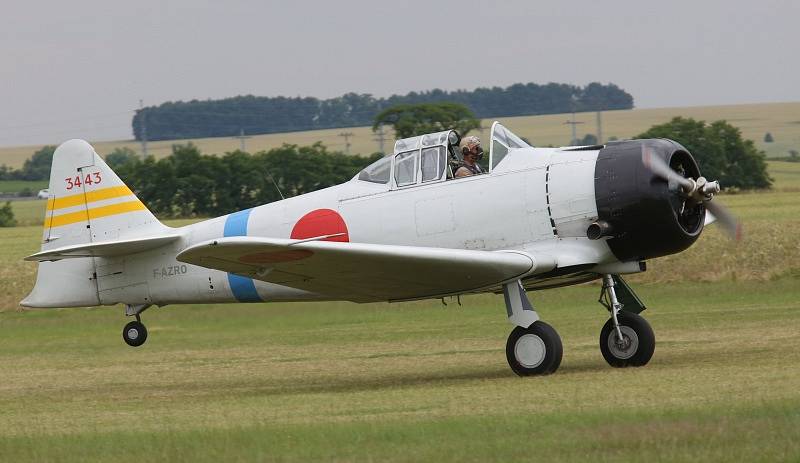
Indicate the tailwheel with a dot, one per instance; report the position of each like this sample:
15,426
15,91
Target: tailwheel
635,348
134,333
535,350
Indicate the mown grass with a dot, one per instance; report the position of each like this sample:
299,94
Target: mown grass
404,382
421,381
755,120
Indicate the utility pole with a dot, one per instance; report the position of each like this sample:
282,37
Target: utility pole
574,132
242,137
600,127
347,136
381,138
144,128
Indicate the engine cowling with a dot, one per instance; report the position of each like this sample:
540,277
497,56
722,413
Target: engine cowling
643,215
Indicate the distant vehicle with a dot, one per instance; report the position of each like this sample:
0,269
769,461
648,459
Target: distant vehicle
402,229
43,194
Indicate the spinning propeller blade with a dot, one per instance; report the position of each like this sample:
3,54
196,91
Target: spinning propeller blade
660,167
689,187
726,220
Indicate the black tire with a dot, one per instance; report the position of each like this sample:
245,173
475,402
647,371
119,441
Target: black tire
134,334
544,344
640,341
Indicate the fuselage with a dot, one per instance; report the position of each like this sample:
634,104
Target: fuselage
537,199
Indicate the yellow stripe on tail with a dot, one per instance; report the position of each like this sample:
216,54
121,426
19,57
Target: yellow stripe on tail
88,197
94,213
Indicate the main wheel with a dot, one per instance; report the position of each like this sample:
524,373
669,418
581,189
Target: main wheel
637,345
134,334
535,350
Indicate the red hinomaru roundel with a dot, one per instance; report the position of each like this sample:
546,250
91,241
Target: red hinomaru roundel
321,222
318,222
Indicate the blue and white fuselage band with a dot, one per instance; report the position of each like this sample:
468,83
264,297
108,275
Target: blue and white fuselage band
243,288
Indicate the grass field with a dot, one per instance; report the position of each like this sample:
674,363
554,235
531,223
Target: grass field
780,119
15,186
412,382
419,381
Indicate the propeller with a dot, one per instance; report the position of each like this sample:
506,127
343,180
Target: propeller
697,191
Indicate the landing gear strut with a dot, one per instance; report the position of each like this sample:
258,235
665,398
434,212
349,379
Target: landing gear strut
533,347
626,340
135,333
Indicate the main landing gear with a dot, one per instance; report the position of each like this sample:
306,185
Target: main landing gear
626,340
534,347
135,334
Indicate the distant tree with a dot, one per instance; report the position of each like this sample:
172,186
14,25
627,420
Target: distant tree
120,157
7,216
6,173
598,97
720,151
38,166
188,183
257,115
588,139
794,156
768,138
613,138
417,119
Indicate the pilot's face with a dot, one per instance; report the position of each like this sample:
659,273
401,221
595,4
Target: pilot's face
472,154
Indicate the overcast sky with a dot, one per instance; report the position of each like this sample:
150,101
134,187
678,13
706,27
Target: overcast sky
78,68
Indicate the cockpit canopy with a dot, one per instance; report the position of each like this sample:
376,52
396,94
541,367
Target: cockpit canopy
426,158
420,159
503,141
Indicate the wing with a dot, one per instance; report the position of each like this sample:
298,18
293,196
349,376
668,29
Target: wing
364,272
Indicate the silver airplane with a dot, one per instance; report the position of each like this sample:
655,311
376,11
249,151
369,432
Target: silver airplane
404,228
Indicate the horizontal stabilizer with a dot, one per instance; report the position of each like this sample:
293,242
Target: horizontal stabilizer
364,272
103,248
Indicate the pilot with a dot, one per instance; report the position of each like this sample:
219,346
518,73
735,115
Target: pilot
472,153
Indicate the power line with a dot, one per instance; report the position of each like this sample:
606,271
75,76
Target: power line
600,127
347,136
574,140
381,138
242,137
144,128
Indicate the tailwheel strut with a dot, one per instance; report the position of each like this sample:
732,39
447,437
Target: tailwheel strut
135,333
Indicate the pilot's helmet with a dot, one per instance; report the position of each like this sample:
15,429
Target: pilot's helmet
467,143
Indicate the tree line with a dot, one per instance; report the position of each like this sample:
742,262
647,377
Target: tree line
259,115
188,183
37,167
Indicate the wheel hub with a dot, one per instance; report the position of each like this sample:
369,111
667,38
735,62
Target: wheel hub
626,347
133,333
530,350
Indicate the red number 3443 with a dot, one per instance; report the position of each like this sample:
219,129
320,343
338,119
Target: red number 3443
90,179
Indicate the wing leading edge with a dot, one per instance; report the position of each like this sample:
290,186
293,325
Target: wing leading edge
364,272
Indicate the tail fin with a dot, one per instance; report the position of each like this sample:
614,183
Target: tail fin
88,203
